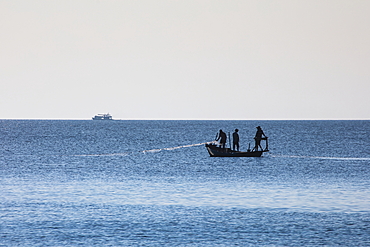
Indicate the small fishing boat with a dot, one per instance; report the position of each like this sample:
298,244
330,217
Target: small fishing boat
257,151
102,117
215,151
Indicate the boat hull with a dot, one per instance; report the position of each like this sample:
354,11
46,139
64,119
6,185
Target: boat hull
215,151
102,117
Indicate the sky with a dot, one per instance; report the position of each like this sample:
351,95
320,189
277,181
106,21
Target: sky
185,59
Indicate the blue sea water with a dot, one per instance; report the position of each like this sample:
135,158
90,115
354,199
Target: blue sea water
152,183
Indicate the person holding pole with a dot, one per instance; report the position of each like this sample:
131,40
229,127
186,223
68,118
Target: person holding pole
259,136
222,137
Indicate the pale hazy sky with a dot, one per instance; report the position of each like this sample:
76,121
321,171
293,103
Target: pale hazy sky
184,59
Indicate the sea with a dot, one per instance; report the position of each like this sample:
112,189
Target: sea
153,183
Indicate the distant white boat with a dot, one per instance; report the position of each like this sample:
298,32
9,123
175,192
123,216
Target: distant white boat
102,117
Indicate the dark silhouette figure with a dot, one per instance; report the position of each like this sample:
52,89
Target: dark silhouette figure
222,137
236,140
259,136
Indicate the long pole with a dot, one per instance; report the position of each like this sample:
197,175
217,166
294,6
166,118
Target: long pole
229,140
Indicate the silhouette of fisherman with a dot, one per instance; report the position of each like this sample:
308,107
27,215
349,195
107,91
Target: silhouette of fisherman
236,139
222,137
259,136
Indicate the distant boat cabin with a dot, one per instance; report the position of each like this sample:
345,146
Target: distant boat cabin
102,117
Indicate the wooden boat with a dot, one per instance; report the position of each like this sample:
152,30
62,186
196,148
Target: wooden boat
215,151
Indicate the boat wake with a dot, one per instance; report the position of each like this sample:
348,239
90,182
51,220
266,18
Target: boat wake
145,151
173,148
320,157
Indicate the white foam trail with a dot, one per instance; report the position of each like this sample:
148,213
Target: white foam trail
321,157
341,158
173,148
146,151
152,151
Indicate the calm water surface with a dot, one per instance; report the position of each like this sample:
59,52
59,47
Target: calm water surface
152,183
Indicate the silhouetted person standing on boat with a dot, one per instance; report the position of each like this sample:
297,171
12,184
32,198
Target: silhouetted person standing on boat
236,140
259,136
222,137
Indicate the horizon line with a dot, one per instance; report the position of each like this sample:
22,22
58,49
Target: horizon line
195,119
